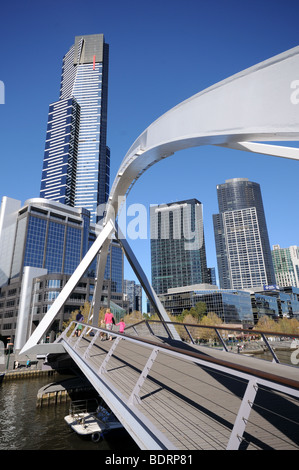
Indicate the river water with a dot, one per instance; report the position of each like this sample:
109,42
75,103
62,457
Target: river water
23,426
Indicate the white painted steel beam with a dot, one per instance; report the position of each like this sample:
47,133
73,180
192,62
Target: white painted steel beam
266,149
255,105
243,415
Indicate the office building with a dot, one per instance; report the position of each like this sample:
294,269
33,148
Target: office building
276,302
212,276
114,273
231,305
48,235
133,293
264,304
76,167
8,224
286,265
241,237
178,256
48,241
234,306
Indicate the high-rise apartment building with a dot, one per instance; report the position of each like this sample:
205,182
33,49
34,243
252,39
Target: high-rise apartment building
178,256
241,237
76,167
286,265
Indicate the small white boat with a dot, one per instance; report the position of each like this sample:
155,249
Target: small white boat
91,423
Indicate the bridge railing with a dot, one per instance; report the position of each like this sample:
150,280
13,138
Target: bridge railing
268,345
262,384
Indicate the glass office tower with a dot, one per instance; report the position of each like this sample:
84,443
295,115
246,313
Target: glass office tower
178,256
286,265
241,237
50,236
76,168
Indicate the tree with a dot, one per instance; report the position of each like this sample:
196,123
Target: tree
289,326
266,323
211,319
189,319
197,312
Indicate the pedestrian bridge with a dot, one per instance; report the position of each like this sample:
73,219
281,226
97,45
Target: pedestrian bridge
173,394
176,395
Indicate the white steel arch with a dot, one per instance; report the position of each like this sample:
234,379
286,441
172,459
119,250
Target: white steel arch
257,105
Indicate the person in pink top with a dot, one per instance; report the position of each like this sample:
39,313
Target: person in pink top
122,325
109,321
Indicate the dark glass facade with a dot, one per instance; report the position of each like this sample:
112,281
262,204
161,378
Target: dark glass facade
76,169
114,267
232,306
50,238
60,157
264,305
178,256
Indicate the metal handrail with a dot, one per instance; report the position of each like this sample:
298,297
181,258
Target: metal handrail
191,355
217,330
219,327
255,378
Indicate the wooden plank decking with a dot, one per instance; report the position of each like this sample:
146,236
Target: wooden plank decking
195,407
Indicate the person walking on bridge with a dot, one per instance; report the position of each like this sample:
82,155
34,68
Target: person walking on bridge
121,325
109,320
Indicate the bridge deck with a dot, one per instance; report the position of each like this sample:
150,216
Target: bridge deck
195,407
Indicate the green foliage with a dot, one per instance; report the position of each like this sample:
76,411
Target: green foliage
197,312
289,326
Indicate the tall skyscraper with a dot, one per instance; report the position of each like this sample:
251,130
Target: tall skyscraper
178,256
76,167
133,292
242,244
48,237
286,265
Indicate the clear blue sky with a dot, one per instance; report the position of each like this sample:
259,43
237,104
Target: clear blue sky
161,52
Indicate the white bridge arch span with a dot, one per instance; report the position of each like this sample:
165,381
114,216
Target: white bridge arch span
257,105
